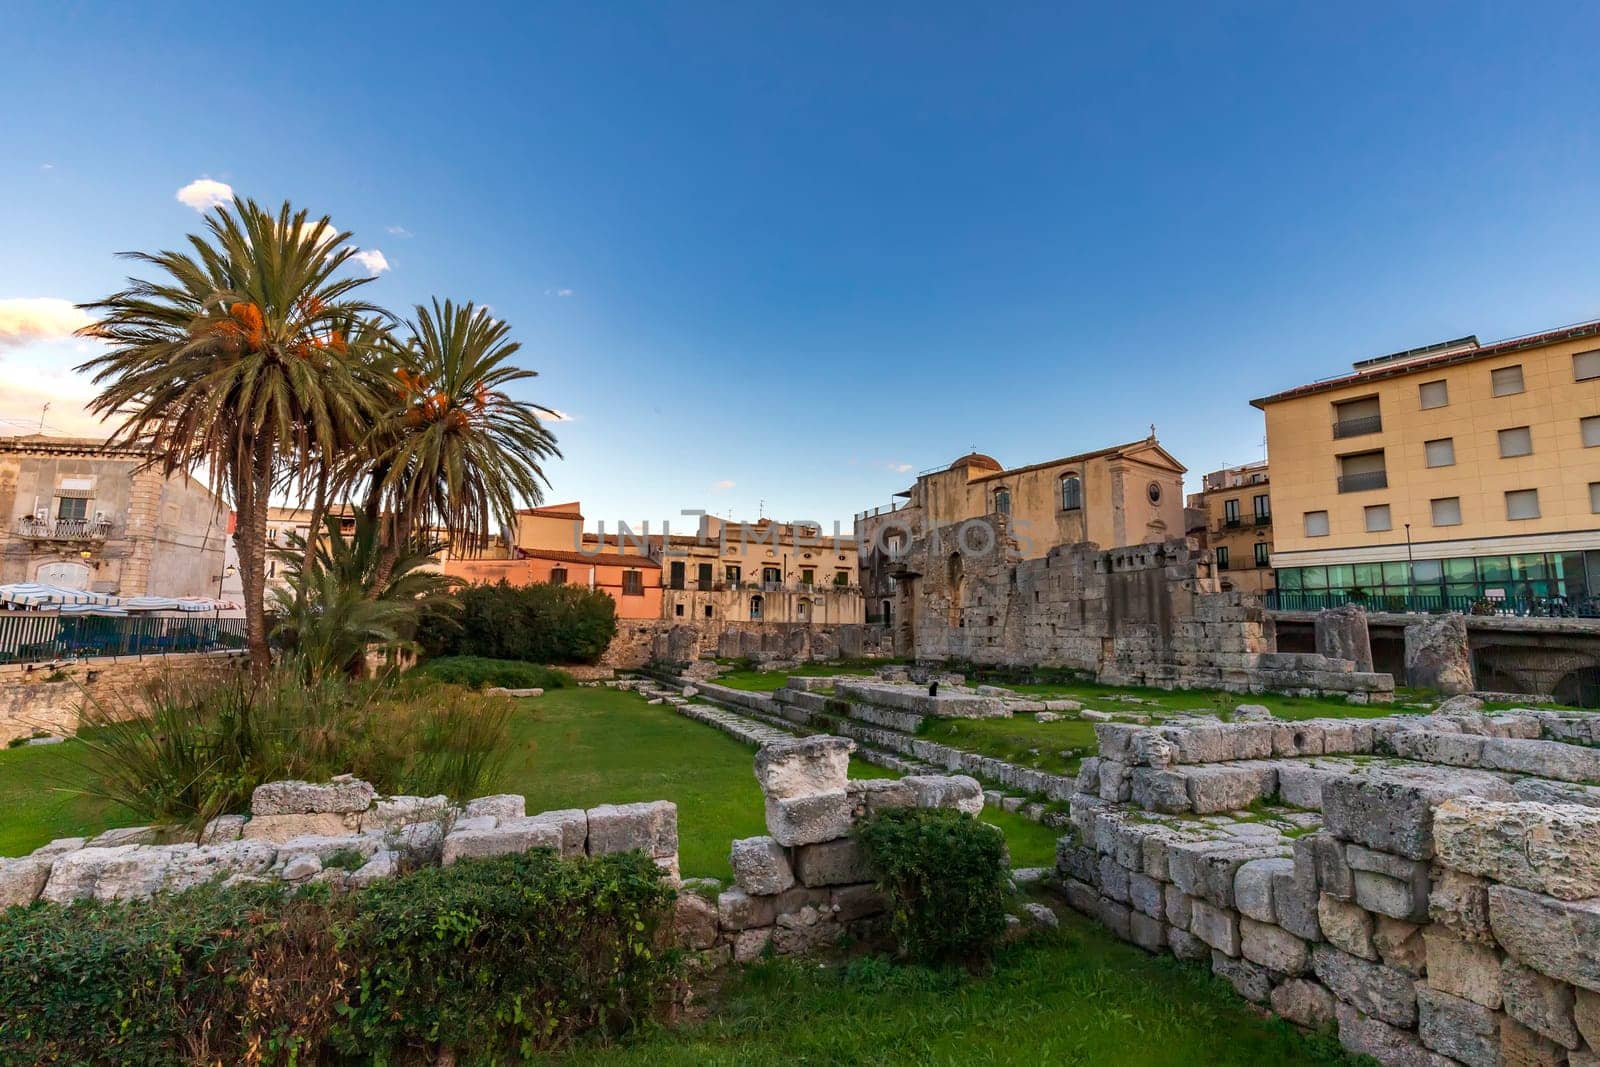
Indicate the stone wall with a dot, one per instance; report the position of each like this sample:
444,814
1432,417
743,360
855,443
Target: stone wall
1152,614
1430,885
32,706
340,832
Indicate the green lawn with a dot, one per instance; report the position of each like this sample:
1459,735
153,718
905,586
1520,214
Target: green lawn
571,748
1075,998
1054,747
771,681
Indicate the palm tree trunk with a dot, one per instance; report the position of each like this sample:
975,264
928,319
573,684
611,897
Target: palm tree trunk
319,508
399,533
256,486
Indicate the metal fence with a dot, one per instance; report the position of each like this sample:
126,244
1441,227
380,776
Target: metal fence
41,636
1554,607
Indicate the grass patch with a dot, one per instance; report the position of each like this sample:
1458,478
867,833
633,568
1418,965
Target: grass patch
477,672
1053,747
1204,701
1076,997
42,798
752,680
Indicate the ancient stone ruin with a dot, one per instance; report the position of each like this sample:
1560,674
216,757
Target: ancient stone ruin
1152,614
1430,885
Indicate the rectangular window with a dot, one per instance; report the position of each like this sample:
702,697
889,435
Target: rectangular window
808,576
703,575
677,609
1263,554
1447,511
633,583
1522,504
1506,381
1594,497
1441,453
558,576
72,508
1586,365
1222,558
841,577
1230,512
1352,418
731,573
1263,506
1434,394
1362,471
675,575
1517,441
1316,524
1590,428
772,575
1378,518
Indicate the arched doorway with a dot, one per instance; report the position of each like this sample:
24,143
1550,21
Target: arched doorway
63,575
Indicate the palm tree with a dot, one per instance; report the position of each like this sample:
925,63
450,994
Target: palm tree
456,454
238,360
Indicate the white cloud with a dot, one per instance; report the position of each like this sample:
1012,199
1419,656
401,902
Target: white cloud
398,231
373,260
558,292
900,468
203,194
722,486
26,389
557,415
47,166
27,319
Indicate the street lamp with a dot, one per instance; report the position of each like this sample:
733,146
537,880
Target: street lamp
228,572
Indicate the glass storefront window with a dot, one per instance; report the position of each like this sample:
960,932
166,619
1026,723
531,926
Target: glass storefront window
1341,577
1289,579
1460,570
1369,576
1427,571
1528,567
1314,577
1494,569
1396,574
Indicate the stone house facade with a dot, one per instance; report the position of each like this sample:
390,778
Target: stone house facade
1237,527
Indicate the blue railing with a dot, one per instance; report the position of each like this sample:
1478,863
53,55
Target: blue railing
43,637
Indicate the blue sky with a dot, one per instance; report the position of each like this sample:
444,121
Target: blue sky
792,254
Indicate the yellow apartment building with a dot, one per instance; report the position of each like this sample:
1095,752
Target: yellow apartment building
1459,475
1237,503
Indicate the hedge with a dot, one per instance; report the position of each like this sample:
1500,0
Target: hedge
480,672
533,623
488,959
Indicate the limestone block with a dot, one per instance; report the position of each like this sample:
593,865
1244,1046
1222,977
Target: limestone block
1541,1004
1463,969
852,902
1391,810
1224,787
806,820
1159,790
383,864
1346,926
59,846
1319,865
508,837
300,868
1458,1028
1116,917
1392,897
1116,781
1299,739
1547,759
1366,1036
573,824
126,835
1522,1047
1547,849
121,872
1145,896
1208,869
837,862
1177,906
738,910
1381,992
750,944
22,879
1296,907
200,865
650,826
1252,887
1114,740
280,828
308,798
500,806
1459,904
1437,656
695,920
1089,776
760,865
221,829
811,765
868,796
1186,946
1272,947
1303,1002
1400,945
1248,979
1217,927
1554,937
1433,746
389,812
958,791
1148,933
1114,879
1586,1015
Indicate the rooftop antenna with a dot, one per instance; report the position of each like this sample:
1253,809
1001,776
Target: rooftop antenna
42,412
761,508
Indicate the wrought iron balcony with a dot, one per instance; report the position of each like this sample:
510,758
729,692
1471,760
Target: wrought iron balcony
37,529
1356,483
1264,520
1358,427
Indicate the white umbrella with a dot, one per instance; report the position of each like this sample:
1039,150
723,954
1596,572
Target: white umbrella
200,603
91,609
151,603
34,595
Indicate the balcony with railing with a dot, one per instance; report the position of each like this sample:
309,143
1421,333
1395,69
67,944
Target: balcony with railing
1358,426
1358,483
34,528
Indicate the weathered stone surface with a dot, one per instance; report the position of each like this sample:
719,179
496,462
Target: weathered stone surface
1458,1028
869,796
197,866
22,879
1554,937
1224,787
122,872
651,827
1522,1047
1544,848
383,864
59,846
1186,946
1389,896
1391,809
806,820
1346,926
1145,895
1217,927
852,902
1459,903
1252,887
309,798
1114,879
1272,947
956,791
1541,1004
389,812
1392,1047
280,828
1118,918
1296,907
1400,945
301,867
1148,933
573,825
126,835
508,837
1548,759
1381,992
695,920
1248,979
749,944
222,829
1463,968
1178,906
1304,1002
500,806
838,862
1437,655
790,769
760,865
738,910
1586,1015
1156,789
1319,865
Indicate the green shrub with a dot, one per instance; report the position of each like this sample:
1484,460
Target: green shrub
209,741
533,623
496,957
479,672
945,875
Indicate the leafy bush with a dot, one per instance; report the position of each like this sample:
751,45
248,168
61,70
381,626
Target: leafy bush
945,875
209,741
533,623
504,955
479,672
